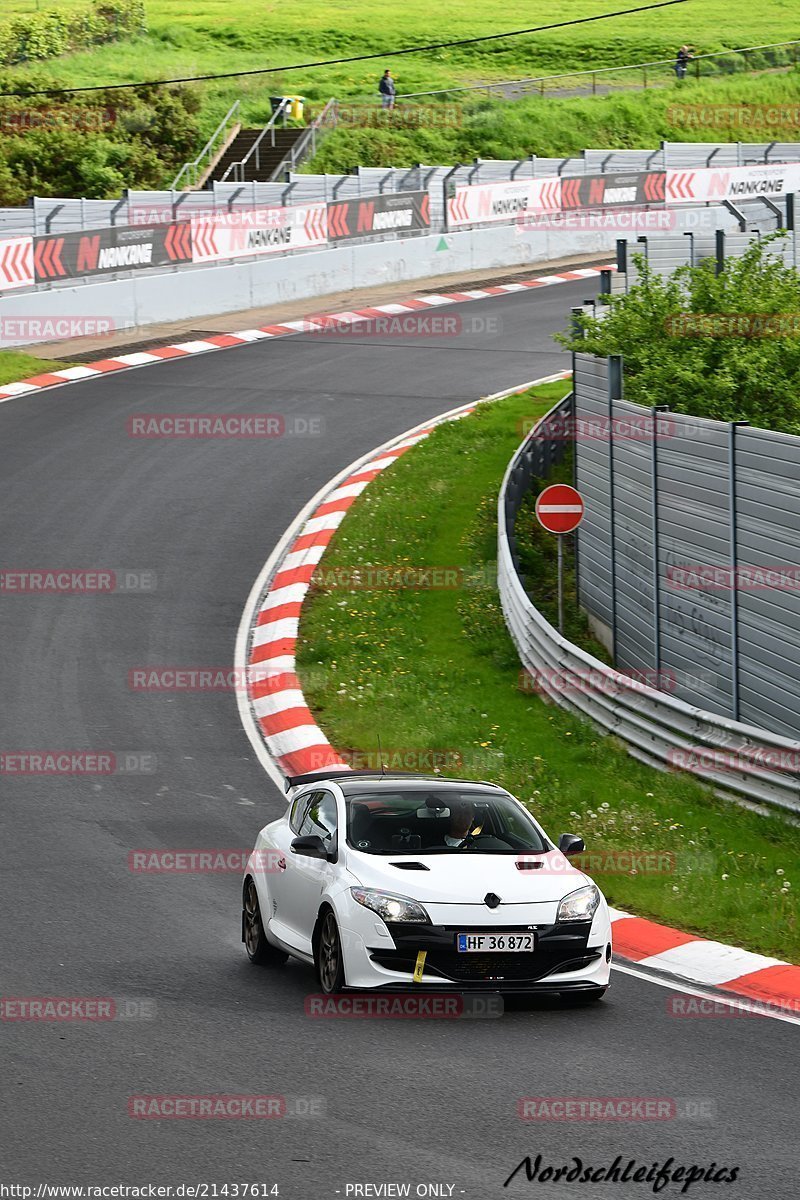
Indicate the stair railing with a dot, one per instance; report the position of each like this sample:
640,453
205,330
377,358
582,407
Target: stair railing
194,170
235,172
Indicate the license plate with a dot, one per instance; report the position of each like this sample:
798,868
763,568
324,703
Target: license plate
495,943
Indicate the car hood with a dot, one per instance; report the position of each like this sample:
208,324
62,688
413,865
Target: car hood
466,877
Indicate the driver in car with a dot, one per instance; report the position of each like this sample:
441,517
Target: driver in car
462,819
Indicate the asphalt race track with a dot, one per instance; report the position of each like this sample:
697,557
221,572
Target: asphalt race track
417,1102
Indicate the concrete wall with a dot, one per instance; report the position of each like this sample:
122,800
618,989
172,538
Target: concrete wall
150,297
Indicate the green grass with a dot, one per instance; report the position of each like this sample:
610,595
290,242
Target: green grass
15,365
213,36
560,127
436,670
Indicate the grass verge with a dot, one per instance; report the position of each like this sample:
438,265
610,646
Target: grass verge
435,670
722,110
15,365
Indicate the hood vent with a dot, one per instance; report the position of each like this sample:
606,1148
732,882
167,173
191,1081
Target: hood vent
410,866
529,864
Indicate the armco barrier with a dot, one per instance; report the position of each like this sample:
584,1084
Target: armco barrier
655,726
185,293
255,221
688,555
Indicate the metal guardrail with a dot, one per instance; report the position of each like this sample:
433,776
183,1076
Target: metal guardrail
66,215
193,171
656,727
236,171
541,82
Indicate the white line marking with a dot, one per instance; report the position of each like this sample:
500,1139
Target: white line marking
681,985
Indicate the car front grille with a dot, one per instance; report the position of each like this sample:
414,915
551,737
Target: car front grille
558,951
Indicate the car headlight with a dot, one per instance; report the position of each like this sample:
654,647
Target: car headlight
391,907
580,905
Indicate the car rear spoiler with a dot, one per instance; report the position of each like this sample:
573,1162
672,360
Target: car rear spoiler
335,772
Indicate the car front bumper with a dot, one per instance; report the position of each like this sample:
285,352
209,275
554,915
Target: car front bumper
568,958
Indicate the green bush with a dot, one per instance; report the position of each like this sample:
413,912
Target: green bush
94,146
750,376
39,36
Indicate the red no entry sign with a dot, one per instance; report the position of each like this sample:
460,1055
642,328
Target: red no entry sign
560,508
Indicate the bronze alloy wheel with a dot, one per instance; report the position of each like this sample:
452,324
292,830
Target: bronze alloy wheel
330,967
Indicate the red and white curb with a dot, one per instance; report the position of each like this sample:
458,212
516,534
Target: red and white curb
223,341
288,741
275,714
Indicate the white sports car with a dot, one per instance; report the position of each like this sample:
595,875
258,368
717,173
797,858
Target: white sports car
411,882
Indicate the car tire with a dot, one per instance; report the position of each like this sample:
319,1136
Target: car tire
259,950
328,954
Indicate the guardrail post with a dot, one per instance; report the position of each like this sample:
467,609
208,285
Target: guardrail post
734,565
655,410
117,207
790,211
719,251
446,192
614,393
49,218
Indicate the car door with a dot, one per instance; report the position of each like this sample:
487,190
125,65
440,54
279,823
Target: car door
279,883
305,879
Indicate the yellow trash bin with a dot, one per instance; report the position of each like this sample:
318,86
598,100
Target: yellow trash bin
297,107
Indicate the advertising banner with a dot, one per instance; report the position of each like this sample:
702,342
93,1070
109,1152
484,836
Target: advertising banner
103,251
607,191
506,201
16,263
248,231
773,180
390,212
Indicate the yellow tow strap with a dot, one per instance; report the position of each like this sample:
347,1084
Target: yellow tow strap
420,967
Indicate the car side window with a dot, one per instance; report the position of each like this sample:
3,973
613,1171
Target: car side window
300,808
320,817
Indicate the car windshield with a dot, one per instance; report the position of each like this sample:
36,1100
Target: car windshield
431,820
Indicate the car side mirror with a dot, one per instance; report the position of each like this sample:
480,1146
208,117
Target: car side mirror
310,846
570,843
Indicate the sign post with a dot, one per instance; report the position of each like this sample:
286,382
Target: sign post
560,509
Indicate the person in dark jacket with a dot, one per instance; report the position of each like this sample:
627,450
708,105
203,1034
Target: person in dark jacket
684,57
387,90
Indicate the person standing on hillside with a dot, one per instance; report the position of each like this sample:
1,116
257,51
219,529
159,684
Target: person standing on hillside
684,57
387,90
